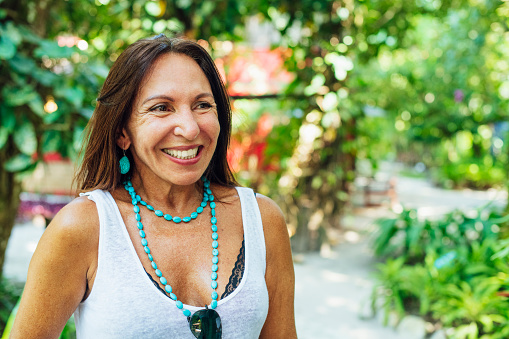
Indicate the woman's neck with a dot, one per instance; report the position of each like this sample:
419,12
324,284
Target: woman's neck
162,194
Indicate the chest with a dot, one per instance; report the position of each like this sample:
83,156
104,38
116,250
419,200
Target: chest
183,252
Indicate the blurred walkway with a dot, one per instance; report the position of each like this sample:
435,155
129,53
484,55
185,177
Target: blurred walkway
332,288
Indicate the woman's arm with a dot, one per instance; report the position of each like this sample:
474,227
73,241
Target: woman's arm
279,275
63,263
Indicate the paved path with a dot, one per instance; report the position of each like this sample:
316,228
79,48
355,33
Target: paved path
332,291
21,246
333,287
431,201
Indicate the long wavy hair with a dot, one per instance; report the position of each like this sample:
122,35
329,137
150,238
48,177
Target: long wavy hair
99,167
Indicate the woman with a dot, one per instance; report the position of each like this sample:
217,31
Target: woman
162,244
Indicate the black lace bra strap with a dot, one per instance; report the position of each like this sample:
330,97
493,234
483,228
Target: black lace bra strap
237,272
156,284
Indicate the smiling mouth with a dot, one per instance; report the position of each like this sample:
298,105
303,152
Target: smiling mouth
184,155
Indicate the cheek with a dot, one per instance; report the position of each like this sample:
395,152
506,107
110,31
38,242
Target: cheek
210,125
215,129
146,130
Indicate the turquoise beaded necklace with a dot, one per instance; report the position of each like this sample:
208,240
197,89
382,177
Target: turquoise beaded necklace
204,323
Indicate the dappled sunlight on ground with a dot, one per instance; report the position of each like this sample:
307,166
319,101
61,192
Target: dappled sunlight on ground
21,247
333,287
330,293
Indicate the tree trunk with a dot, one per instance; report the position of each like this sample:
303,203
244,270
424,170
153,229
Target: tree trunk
9,202
315,202
37,18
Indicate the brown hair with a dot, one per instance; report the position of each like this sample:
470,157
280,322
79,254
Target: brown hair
99,167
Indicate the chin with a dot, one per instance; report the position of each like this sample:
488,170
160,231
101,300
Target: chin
184,179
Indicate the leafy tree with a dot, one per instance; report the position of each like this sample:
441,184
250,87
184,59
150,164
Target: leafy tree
332,51
54,56
44,102
446,87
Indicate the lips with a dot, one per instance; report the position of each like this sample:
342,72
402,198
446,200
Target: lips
182,154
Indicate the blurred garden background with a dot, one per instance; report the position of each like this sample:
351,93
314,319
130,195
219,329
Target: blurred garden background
379,126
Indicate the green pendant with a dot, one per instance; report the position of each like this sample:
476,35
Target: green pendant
206,324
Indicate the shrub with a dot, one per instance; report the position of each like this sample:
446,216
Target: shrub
453,271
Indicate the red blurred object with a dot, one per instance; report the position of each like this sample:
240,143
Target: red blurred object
245,147
52,156
255,71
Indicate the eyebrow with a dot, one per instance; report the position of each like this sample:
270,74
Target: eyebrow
166,97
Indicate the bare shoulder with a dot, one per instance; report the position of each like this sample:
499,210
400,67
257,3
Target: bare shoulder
273,219
78,219
73,232
61,267
268,206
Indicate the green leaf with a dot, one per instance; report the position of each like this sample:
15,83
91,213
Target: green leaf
15,96
10,320
28,35
51,49
78,138
18,163
74,95
26,139
54,117
51,141
7,48
99,69
8,118
22,64
8,122
86,112
45,77
37,106
154,8
12,33
4,134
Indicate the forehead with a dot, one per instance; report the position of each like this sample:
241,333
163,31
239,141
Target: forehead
174,74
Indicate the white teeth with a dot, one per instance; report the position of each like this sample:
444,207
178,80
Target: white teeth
189,154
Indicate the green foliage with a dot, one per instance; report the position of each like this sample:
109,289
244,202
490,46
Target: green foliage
9,295
69,331
473,302
444,88
8,311
412,238
453,270
35,71
470,172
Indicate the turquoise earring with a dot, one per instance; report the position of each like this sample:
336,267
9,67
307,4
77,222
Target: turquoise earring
124,164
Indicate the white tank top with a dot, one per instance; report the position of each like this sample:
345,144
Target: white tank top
124,303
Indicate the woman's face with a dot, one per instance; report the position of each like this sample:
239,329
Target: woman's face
173,128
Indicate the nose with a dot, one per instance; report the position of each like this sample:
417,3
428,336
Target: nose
187,126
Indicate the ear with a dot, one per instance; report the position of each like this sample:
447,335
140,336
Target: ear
123,139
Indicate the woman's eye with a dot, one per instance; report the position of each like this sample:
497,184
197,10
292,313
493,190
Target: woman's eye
159,108
204,105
